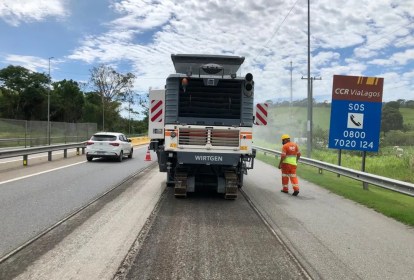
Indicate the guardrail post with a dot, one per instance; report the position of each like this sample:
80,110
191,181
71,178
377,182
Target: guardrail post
25,134
65,153
83,150
77,151
25,160
339,161
364,184
49,156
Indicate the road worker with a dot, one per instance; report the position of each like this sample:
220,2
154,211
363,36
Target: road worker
288,163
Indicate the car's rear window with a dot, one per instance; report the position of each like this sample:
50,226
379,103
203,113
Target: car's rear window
103,138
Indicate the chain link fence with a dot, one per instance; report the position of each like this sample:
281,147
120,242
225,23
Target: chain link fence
21,133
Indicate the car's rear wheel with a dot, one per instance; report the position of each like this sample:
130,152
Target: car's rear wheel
89,158
121,156
131,153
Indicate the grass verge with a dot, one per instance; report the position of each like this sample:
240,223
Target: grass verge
397,206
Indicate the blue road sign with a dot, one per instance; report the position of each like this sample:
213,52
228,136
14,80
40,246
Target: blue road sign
356,113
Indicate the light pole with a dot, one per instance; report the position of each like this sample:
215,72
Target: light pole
310,98
48,104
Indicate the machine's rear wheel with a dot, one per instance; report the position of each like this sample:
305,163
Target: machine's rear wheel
231,185
180,187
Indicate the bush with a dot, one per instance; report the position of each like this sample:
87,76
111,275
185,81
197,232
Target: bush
398,138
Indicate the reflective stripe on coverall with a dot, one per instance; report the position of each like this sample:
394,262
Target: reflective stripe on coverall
289,151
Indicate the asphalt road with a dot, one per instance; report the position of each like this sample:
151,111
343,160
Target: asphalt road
207,236
333,237
93,243
34,198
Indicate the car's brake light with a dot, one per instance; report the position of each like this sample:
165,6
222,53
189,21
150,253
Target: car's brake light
114,144
89,143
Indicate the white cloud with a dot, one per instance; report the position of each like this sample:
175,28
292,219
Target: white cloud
141,15
397,59
402,58
345,39
15,12
30,62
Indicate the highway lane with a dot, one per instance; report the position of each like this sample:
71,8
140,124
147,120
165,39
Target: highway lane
207,237
203,237
32,199
333,238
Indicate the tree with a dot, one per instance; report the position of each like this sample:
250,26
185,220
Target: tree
68,101
131,100
401,102
92,109
9,103
113,87
23,92
391,119
393,104
409,104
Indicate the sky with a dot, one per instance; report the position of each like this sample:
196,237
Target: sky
354,37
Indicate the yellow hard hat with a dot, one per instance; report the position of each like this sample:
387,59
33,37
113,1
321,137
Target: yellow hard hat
285,136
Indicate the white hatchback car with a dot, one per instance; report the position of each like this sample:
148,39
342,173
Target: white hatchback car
109,145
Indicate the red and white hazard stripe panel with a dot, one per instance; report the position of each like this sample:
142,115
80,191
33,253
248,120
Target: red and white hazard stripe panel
156,111
261,114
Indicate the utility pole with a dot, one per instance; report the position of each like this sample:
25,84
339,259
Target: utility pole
291,86
309,122
309,125
103,112
48,104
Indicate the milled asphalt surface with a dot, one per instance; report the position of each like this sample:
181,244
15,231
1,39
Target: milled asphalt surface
207,237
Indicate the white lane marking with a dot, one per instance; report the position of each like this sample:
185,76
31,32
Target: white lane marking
35,174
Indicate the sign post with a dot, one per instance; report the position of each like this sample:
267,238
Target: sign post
356,114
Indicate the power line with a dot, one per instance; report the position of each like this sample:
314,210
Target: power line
275,32
404,40
385,35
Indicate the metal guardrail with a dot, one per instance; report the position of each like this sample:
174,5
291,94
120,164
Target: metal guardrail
42,149
383,182
16,152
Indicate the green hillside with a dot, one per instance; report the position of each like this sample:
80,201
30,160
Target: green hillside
321,115
408,115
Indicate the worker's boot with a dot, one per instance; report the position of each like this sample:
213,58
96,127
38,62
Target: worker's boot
295,193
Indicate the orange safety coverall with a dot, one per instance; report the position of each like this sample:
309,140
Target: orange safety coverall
290,155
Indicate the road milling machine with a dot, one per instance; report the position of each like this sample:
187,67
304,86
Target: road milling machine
200,124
